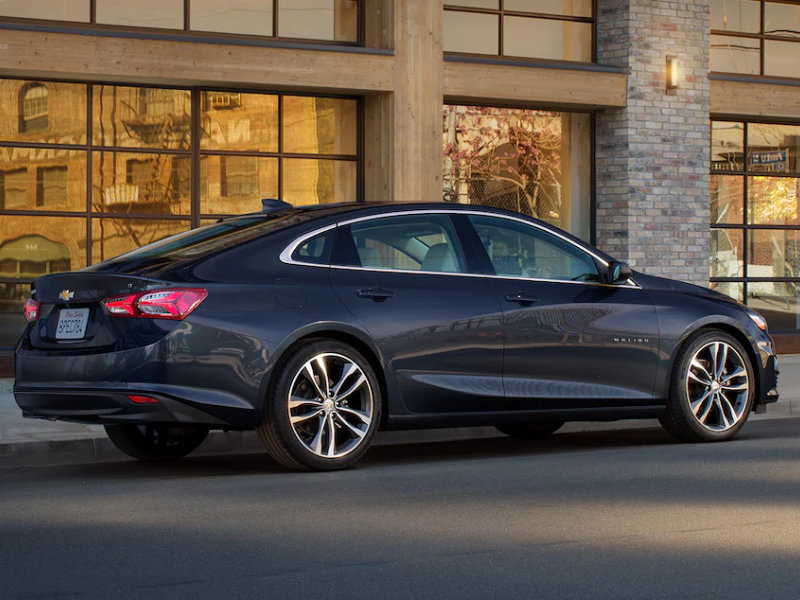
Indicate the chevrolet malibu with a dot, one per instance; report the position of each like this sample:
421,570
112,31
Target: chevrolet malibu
318,326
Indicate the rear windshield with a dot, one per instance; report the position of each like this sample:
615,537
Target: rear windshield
211,238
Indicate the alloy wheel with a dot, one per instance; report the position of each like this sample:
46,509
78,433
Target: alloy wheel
717,386
331,405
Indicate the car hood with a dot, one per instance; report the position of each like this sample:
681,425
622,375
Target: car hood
651,282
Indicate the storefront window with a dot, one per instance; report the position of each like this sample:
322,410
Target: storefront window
755,230
321,20
147,171
556,30
530,161
743,43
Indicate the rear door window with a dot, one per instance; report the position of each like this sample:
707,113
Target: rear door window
424,243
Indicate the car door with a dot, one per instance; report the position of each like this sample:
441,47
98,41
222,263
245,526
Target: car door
405,278
571,339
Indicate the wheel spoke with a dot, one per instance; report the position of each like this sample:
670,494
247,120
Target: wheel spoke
709,405
353,429
316,443
359,382
308,371
725,403
364,417
695,364
300,418
320,360
736,388
694,376
331,436
296,401
719,361
722,412
739,372
699,402
347,370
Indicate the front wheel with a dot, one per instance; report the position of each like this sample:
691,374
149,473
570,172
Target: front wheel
156,442
712,389
324,410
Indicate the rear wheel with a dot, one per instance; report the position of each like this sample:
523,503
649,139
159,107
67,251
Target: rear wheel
712,389
324,410
530,431
156,442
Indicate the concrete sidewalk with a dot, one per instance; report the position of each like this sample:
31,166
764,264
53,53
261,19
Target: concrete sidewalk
32,442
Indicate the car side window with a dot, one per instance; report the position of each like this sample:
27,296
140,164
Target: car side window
315,250
520,250
425,243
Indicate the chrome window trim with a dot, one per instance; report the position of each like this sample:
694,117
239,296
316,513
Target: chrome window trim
286,255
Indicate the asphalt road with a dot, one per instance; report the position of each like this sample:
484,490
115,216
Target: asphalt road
623,514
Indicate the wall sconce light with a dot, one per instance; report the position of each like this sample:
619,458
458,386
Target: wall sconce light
672,73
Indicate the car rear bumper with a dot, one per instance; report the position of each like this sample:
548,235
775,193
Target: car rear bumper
115,406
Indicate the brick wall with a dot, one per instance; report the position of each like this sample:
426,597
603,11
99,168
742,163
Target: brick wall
652,156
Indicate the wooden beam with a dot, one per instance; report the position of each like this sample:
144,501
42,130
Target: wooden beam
533,86
755,99
417,101
34,54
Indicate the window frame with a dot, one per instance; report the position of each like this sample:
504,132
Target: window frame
501,13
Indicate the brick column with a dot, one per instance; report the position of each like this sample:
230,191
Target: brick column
652,156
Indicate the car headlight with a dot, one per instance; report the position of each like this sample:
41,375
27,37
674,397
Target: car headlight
760,321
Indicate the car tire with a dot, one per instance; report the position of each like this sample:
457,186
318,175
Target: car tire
323,409
711,390
530,431
155,443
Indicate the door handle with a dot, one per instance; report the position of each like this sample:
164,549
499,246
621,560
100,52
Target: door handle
377,294
522,298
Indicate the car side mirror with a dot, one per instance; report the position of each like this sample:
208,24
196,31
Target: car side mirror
618,272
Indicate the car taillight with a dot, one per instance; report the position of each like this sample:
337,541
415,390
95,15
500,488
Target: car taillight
31,310
171,303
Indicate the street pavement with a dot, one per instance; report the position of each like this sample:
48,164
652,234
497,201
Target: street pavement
603,514
30,442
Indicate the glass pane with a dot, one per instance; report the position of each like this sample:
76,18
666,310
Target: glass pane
491,4
547,38
470,32
780,59
127,182
42,112
241,122
782,19
570,8
734,289
417,243
736,15
111,237
308,181
56,10
42,178
727,199
34,246
774,253
730,54
132,117
319,125
773,148
772,200
12,321
545,172
519,250
335,20
252,17
727,146
236,184
777,301
727,253
167,14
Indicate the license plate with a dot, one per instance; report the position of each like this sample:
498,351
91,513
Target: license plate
72,323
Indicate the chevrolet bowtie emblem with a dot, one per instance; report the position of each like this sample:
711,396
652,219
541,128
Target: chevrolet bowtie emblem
66,295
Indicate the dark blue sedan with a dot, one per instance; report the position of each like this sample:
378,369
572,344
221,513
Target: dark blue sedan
317,326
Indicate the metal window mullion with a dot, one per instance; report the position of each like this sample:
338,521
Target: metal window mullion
194,186
280,145
89,165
